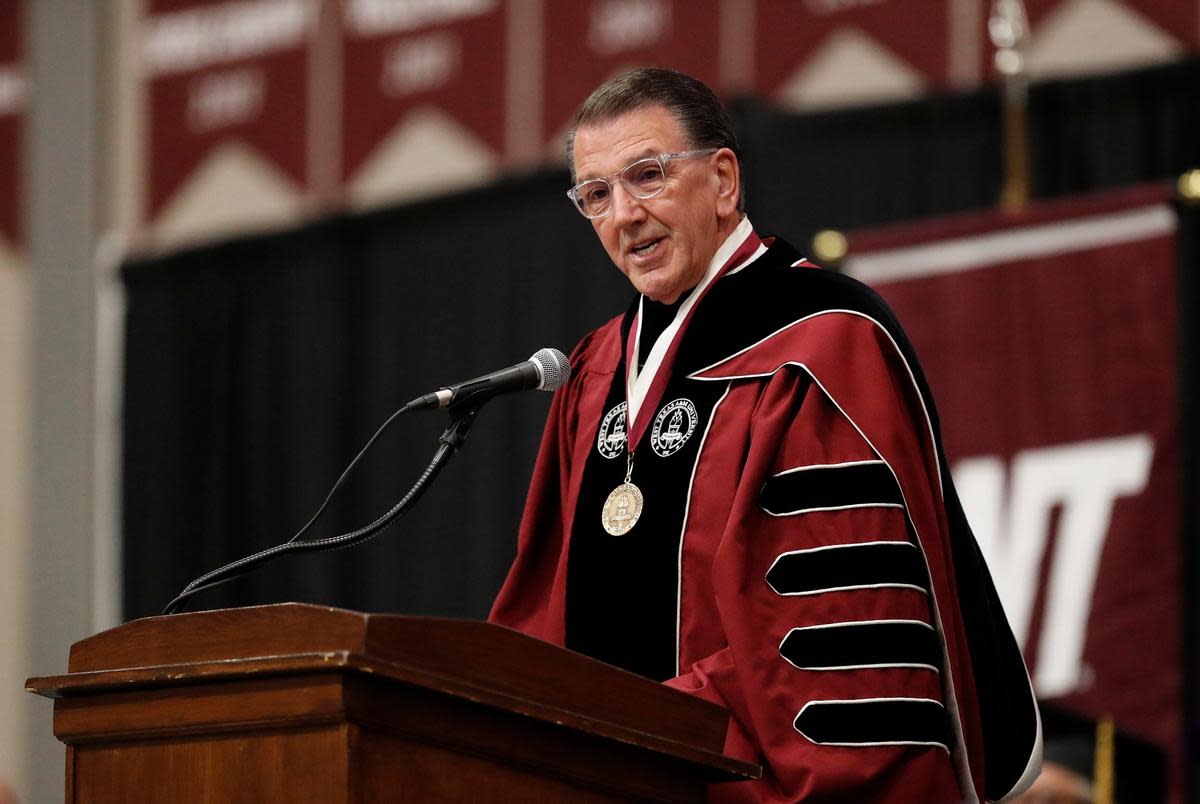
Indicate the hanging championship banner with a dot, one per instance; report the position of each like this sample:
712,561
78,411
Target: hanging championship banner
1049,339
818,53
1069,37
1180,21
13,102
227,94
423,95
589,42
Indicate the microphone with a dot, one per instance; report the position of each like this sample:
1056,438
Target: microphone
546,370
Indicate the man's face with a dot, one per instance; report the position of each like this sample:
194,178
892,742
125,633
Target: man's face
663,244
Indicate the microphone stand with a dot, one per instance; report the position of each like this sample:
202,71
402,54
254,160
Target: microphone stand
461,418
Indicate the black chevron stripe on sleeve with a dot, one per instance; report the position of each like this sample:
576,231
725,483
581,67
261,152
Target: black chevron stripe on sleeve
853,645
823,488
848,566
875,721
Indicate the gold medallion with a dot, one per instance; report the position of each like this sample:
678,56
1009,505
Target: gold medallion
622,509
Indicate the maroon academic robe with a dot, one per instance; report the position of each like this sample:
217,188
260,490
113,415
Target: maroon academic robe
803,559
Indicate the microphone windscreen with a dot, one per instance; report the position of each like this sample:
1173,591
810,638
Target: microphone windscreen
553,368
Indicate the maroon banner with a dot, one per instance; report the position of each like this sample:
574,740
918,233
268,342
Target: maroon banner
13,98
1049,339
885,36
398,57
225,71
1180,20
1069,37
589,42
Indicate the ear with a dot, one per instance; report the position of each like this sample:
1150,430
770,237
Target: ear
729,174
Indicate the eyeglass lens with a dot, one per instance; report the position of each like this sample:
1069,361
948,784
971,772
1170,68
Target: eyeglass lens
642,179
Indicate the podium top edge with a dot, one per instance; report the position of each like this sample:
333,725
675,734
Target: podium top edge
465,653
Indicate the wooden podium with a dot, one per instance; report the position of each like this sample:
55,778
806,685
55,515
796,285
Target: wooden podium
300,703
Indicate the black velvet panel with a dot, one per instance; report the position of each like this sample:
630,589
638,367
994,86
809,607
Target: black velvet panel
622,591
830,487
849,566
871,644
872,722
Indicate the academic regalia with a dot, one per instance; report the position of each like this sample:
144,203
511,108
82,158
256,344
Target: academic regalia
801,557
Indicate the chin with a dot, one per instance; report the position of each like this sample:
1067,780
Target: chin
650,289
662,297
656,285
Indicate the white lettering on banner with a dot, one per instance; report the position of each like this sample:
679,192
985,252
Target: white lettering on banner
420,64
824,7
13,87
225,98
620,25
376,17
1084,480
183,41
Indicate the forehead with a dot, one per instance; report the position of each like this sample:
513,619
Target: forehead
604,148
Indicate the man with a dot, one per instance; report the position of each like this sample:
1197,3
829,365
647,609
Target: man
741,492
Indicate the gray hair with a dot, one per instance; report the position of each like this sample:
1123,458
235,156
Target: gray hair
694,106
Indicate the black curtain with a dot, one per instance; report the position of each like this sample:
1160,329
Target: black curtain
255,369
1115,130
862,167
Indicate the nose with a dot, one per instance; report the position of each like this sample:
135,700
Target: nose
626,208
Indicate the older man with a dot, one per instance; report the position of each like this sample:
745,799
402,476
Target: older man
741,491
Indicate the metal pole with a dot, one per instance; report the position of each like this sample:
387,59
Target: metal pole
1008,27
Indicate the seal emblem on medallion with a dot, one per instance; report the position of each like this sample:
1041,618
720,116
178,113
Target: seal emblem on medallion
611,440
673,426
622,509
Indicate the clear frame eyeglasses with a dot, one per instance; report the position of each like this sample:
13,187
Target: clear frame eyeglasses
642,179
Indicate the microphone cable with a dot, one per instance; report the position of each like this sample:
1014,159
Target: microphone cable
550,370
450,440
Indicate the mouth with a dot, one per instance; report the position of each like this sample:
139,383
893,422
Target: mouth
646,249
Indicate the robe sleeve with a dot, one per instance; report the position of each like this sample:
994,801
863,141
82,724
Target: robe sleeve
835,669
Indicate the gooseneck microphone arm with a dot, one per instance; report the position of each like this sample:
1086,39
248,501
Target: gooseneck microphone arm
551,374
450,441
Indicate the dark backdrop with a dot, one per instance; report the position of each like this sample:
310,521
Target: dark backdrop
255,369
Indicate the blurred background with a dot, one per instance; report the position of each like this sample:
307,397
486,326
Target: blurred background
235,235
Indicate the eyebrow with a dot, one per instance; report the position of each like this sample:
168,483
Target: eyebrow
645,154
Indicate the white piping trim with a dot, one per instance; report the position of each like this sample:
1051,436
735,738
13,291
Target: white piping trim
827,466
758,252
865,745
851,624
687,506
799,511
883,329
842,546
920,589
759,342
1004,247
847,623
877,666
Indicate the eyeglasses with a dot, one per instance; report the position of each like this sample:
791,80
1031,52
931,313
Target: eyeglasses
642,179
